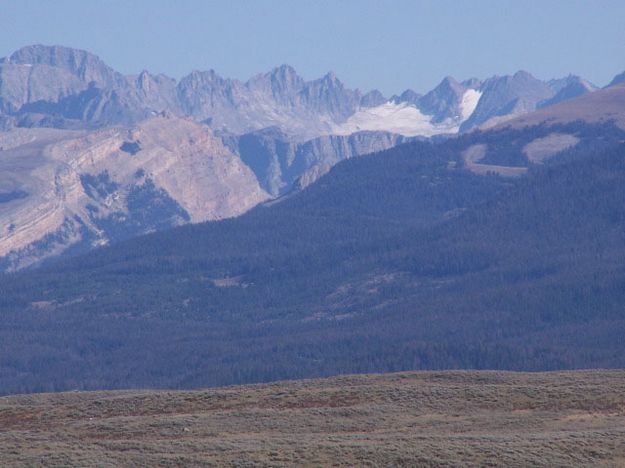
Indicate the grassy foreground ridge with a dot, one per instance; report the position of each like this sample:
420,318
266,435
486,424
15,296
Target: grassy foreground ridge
450,418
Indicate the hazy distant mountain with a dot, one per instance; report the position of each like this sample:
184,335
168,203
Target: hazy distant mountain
603,105
157,92
508,95
42,73
568,88
67,84
53,86
46,204
409,96
278,98
620,78
446,101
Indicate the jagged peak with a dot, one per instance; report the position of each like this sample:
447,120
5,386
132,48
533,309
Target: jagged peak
330,77
328,81
521,77
523,74
472,83
285,73
372,98
282,80
284,70
203,75
449,81
409,96
448,85
572,79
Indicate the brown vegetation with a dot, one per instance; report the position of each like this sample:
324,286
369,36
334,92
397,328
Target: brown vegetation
416,419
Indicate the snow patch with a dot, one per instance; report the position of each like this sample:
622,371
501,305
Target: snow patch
406,119
469,102
403,118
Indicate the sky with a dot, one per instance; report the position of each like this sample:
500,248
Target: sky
388,45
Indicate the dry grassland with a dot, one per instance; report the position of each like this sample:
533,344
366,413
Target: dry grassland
413,418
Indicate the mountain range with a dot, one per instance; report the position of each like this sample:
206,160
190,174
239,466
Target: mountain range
90,156
55,86
282,228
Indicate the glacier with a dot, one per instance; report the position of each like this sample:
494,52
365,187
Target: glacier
406,119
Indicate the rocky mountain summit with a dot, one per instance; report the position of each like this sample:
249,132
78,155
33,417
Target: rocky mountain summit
60,87
65,88
278,98
503,97
568,88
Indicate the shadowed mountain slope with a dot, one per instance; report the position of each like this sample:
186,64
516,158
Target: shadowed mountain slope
401,260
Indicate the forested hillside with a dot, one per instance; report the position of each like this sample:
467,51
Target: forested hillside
399,260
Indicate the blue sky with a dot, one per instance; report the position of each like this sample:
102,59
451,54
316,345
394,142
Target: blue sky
390,45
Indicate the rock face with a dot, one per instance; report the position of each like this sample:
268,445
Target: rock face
281,164
63,189
444,101
40,73
278,98
74,86
508,96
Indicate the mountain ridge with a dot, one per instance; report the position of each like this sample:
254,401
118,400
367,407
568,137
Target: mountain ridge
90,188
401,260
304,109
317,123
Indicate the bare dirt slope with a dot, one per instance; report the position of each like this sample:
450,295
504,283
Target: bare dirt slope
475,153
415,419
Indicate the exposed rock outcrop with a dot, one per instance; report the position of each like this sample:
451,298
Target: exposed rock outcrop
279,162
80,189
